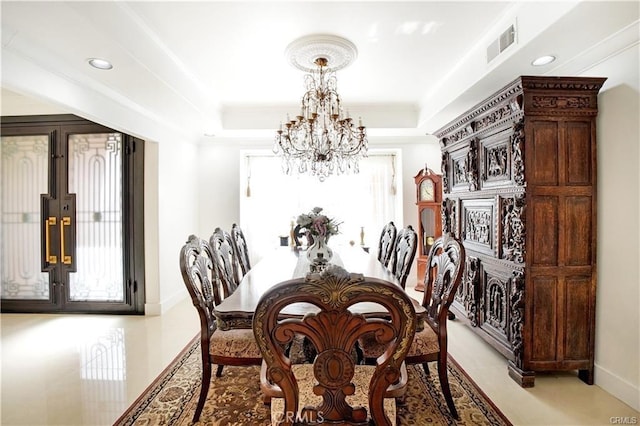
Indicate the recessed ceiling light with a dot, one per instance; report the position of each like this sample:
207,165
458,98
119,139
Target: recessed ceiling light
101,64
543,60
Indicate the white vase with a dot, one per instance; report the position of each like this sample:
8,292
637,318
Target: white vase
319,251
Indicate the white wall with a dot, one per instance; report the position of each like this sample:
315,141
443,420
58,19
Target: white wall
177,217
416,152
151,229
618,295
219,198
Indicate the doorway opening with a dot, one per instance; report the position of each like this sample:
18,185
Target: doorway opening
71,217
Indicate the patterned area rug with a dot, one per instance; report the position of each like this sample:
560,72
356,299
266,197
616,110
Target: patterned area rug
235,398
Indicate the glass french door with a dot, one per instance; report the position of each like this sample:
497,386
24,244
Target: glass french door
71,227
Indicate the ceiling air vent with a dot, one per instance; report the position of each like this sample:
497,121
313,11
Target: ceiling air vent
498,46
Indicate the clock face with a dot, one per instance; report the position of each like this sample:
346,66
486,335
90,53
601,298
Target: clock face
427,190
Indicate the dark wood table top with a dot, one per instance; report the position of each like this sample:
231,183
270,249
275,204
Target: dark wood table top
286,263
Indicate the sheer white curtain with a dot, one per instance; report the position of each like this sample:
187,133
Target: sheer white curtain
270,200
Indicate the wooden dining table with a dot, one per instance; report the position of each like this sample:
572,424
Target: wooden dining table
285,263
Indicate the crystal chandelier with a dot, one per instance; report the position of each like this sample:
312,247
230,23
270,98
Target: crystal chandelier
322,139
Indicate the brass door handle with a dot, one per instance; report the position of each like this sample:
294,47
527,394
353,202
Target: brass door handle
66,221
52,259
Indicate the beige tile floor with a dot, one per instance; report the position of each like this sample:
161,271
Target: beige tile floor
86,370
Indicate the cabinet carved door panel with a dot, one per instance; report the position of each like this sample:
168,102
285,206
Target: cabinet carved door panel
467,297
495,308
463,174
478,218
496,160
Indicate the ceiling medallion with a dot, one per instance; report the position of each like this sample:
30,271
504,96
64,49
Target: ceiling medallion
322,139
303,52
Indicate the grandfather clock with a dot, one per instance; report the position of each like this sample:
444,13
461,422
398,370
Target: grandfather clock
429,202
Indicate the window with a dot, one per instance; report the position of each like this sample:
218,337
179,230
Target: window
270,200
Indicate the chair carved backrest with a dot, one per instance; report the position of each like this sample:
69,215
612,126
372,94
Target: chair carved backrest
240,246
196,265
299,233
445,267
404,253
387,243
333,331
225,265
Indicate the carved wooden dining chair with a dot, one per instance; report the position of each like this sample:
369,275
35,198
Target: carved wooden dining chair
225,261
403,254
241,249
334,388
300,236
233,347
445,268
387,242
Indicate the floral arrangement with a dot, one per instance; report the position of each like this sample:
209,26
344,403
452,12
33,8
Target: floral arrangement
318,224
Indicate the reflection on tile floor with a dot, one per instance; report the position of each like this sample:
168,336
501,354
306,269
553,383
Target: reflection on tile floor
85,369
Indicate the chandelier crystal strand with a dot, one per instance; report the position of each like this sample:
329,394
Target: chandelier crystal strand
321,140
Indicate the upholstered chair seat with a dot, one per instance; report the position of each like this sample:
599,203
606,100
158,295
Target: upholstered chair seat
361,378
424,341
235,343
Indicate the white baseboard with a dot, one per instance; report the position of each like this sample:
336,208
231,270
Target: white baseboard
152,309
617,386
155,309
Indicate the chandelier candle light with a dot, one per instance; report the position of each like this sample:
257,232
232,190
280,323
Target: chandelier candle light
322,139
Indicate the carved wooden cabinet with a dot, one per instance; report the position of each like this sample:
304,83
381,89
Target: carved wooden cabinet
519,184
